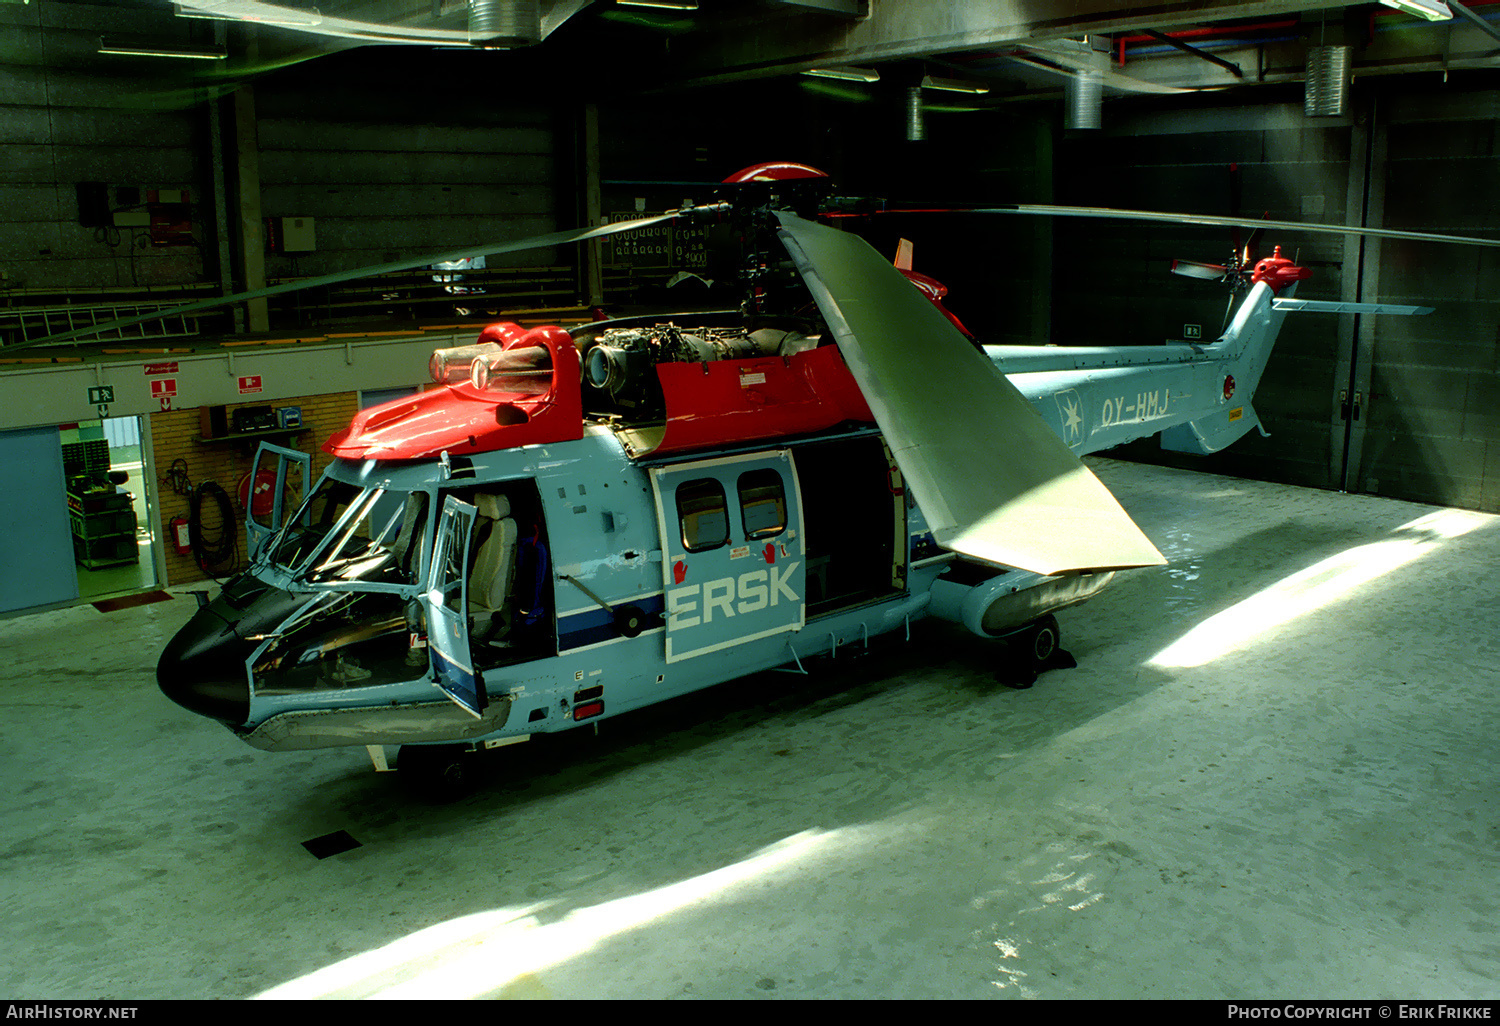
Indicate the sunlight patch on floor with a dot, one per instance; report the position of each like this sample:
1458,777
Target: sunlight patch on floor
491,953
1321,585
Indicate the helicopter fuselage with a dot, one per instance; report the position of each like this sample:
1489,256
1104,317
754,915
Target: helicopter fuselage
541,586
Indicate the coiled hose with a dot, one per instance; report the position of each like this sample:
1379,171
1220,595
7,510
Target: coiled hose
222,549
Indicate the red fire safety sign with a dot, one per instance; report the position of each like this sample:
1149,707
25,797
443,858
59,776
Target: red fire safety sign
163,388
250,384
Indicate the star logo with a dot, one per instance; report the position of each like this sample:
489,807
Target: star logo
1070,407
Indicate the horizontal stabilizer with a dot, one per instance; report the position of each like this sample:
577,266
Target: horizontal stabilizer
1213,432
1324,306
993,479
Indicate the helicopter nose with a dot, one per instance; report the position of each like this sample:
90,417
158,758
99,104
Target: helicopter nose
204,678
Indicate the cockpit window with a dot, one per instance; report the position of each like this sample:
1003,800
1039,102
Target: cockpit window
351,533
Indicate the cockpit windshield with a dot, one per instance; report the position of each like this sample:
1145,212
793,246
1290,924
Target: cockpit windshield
348,532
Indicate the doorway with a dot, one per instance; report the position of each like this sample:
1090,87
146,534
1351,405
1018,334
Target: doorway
109,507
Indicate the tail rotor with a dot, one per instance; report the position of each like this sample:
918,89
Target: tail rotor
1237,271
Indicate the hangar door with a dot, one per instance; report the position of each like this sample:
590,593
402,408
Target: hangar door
36,562
1426,425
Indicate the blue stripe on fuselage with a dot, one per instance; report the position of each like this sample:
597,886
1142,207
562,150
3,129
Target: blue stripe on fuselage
592,626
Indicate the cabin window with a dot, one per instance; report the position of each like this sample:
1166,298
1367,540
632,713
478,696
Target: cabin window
703,513
762,504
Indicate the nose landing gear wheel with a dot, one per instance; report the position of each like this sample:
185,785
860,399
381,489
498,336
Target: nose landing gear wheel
436,773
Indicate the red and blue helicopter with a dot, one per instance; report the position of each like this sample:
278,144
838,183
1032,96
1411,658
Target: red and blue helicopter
574,524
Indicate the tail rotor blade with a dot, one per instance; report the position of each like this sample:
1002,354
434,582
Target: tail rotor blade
1194,269
1234,206
1247,257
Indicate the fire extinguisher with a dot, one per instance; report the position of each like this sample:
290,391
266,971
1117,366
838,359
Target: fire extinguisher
179,528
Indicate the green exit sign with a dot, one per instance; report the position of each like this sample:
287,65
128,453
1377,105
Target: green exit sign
101,395
1192,331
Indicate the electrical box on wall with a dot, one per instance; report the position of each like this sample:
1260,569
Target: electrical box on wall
169,214
93,204
290,235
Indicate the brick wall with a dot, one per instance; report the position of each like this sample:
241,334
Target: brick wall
177,435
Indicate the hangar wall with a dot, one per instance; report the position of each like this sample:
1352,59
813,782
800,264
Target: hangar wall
392,166
177,436
387,166
60,125
1429,428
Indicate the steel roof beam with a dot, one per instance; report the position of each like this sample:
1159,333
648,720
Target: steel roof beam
1476,19
728,50
1161,37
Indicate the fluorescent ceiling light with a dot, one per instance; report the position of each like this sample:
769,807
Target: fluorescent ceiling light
953,85
674,5
200,53
1431,10
845,74
265,14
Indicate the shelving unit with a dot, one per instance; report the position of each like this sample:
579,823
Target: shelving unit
103,523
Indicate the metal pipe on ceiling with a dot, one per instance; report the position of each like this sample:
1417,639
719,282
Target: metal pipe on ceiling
1085,96
916,127
1327,90
505,22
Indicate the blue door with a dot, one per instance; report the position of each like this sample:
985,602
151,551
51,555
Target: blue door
446,602
734,560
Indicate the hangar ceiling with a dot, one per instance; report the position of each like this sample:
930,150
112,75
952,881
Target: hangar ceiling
1015,50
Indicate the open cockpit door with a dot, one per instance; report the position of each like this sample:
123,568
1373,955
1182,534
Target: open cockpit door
446,603
279,480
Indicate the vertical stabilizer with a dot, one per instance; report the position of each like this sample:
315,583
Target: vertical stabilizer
1246,344
1241,352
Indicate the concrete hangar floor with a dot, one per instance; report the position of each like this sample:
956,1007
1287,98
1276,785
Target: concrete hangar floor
1272,774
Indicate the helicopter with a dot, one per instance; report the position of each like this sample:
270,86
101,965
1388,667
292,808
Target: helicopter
573,524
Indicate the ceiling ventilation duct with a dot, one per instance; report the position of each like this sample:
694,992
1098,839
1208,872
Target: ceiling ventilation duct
505,22
1085,94
916,128
1327,93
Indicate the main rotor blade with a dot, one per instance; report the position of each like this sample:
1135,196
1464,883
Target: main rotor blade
1116,214
534,242
994,481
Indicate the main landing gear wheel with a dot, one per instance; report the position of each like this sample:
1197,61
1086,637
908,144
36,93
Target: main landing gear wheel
1043,641
436,773
1034,648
